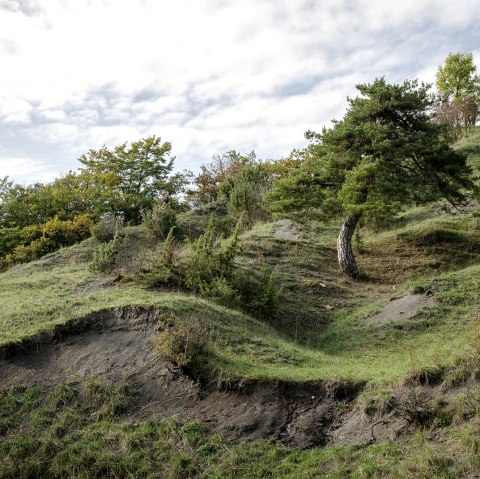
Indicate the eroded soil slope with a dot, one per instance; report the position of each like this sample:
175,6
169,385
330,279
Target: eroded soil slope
116,346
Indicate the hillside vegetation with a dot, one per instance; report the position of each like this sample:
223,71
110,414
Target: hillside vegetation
393,353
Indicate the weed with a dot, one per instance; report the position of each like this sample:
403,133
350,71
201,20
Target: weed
185,346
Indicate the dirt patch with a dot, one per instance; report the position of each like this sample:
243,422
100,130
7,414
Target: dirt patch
285,229
116,345
402,308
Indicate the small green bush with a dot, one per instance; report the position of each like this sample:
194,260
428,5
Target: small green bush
258,293
163,271
159,220
210,259
105,255
108,226
185,346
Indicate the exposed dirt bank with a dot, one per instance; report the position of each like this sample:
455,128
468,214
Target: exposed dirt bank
116,345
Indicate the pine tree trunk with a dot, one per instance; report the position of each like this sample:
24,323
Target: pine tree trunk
346,260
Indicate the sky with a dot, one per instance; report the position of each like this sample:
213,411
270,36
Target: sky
207,75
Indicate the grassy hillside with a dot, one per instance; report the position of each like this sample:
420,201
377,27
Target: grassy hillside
423,366
471,145
321,330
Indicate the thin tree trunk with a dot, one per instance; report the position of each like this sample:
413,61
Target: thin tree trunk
346,259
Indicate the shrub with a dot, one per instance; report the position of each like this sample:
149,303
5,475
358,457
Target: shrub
11,238
54,234
210,258
163,270
64,233
108,226
159,220
105,255
258,293
184,346
193,223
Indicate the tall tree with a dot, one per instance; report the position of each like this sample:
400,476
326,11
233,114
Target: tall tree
459,89
384,153
457,77
221,168
134,176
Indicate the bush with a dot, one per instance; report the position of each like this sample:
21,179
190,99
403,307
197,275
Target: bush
258,293
64,233
206,266
162,271
11,238
245,191
209,270
54,234
108,226
159,220
210,258
184,346
105,255
193,223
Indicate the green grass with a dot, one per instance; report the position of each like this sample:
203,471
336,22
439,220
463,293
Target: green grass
85,431
307,342
320,333
471,145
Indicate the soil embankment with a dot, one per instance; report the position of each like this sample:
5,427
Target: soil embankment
116,345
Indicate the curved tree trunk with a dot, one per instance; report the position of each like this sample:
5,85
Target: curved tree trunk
346,260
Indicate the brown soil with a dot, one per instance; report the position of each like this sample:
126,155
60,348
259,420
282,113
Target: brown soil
116,346
285,229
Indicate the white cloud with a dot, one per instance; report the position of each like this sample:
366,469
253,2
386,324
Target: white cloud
15,110
26,170
207,75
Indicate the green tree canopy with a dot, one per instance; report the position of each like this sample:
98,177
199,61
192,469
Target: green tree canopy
222,168
457,77
459,89
384,153
134,177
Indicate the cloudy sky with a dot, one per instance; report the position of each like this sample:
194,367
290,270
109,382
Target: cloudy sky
207,75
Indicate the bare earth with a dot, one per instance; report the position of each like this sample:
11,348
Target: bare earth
285,229
402,308
116,346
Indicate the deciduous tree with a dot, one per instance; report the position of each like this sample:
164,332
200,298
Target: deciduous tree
459,88
134,176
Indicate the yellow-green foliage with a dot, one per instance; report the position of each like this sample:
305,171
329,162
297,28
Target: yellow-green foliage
55,234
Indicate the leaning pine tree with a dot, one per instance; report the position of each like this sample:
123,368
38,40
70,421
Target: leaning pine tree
383,154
